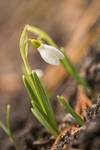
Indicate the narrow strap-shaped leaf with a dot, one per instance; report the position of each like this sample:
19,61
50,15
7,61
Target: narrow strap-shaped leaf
7,128
24,49
23,43
8,116
37,105
31,84
7,131
34,102
43,120
30,90
39,95
34,105
44,99
69,67
69,109
41,92
4,128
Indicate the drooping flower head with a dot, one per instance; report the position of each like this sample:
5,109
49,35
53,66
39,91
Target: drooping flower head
50,54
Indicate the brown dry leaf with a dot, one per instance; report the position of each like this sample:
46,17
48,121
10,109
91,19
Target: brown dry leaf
83,102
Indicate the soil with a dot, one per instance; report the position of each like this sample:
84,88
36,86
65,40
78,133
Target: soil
86,137
32,136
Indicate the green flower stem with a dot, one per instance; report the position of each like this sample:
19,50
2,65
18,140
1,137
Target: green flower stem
69,67
70,110
41,34
24,49
41,106
40,101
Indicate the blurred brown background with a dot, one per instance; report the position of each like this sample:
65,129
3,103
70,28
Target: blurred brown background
60,18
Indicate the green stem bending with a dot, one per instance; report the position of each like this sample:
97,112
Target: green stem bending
70,110
41,34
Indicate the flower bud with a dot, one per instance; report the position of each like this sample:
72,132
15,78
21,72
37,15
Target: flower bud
39,72
50,54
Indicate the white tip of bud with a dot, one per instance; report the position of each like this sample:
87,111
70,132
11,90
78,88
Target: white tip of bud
50,54
39,72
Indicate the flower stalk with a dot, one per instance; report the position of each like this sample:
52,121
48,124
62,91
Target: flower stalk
41,106
51,54
69,67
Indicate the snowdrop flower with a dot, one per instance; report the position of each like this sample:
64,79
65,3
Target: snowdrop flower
39,72
50,54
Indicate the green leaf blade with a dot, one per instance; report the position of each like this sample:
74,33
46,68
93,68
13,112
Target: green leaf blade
70,110
44,99
69,67
44,121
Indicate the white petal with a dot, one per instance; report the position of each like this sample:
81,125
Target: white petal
50,54
39,72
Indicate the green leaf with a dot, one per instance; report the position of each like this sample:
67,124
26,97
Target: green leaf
44,98
31,86
31,93
7,128
4,128
24,49
30,90
44,121
24,43
37,106
69,67
39,99
47,119
8,116
70,110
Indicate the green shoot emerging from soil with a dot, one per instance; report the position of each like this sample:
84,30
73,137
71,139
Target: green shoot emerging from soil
70,110
7,128
41,106
49,51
